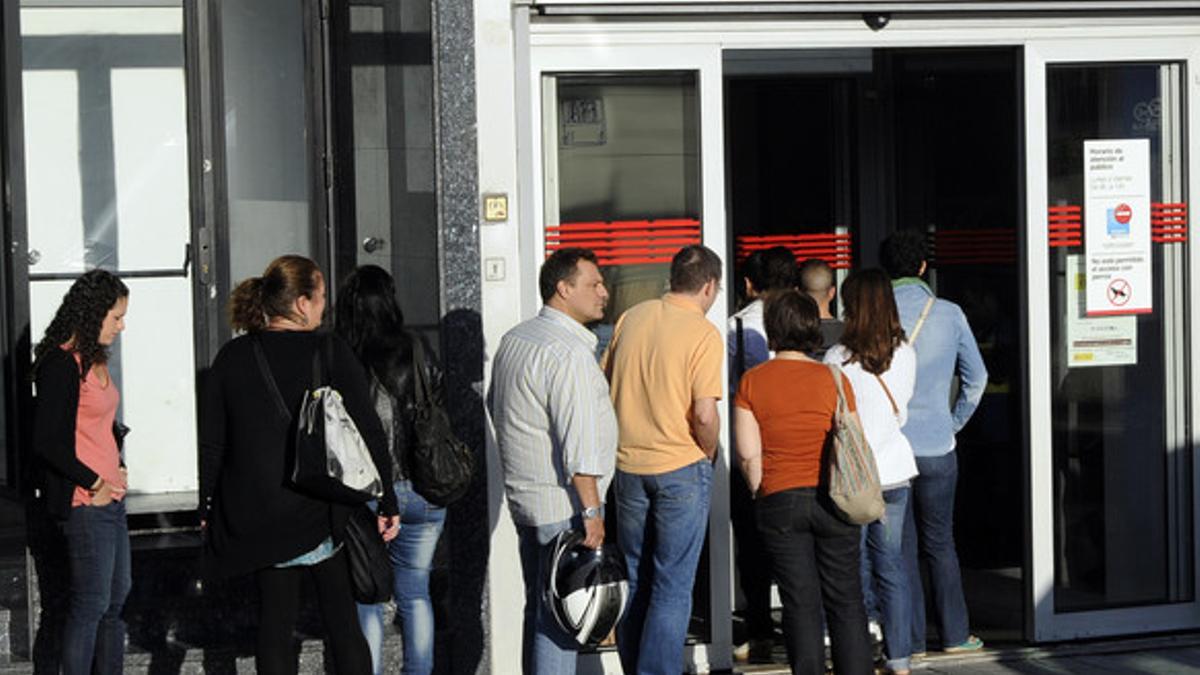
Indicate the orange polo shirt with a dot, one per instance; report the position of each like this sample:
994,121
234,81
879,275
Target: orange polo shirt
664,354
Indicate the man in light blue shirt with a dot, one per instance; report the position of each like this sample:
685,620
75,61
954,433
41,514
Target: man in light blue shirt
945,346
557,437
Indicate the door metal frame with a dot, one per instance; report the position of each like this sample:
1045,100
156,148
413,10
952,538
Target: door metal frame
206,152
14,279
1043,622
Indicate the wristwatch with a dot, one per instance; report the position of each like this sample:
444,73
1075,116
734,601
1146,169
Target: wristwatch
591,512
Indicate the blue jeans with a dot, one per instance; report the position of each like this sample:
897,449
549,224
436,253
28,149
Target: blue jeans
411,553
98,550
545,648
929,528
661,523
885,578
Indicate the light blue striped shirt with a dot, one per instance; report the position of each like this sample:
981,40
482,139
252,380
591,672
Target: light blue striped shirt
553,417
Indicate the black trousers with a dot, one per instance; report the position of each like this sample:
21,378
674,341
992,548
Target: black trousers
279,590
816,561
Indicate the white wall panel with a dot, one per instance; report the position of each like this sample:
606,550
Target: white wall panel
150,148
54,192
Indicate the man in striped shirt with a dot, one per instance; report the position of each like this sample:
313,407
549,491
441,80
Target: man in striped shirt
557,436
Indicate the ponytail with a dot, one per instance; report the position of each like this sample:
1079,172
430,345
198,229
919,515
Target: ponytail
257,300
246,312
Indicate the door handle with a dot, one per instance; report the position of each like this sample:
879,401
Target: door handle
373,244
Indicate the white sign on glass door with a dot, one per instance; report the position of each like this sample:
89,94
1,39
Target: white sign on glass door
1116,217
1095,340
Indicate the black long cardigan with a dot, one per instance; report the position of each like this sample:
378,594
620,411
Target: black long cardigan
255,518
58,380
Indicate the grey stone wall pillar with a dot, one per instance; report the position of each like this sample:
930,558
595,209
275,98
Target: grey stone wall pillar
462,326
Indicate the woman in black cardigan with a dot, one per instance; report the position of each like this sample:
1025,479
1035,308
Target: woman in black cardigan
255,520
76,436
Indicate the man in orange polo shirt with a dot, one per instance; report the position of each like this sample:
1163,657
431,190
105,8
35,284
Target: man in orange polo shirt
664,364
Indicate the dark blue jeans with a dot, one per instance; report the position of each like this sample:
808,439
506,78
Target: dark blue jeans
929,530
661,523
816,561
98,550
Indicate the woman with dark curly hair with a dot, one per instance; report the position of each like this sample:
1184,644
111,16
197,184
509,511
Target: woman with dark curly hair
369,318
256,520
76,434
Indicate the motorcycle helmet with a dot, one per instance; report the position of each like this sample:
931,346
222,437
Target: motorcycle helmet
586,588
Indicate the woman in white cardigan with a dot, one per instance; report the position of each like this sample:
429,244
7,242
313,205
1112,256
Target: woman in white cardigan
882,367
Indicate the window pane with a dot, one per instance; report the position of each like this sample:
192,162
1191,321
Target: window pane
105,124
628,179
1122,472
266,132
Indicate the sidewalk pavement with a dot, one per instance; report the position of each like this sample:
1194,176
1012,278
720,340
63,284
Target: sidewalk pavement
1167,655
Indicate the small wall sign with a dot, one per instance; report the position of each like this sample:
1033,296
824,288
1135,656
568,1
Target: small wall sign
495,208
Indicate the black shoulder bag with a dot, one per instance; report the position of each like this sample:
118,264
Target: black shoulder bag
440,466
367,557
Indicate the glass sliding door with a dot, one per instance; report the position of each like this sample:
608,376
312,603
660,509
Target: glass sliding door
384,181
1113,478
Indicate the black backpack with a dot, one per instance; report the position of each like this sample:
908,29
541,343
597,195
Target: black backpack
440,466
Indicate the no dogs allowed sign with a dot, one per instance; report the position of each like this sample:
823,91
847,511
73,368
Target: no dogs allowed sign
1116,219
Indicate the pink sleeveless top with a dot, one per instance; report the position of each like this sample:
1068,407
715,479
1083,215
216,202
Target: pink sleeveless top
94,442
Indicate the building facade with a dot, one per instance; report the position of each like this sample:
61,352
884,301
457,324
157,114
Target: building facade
639,125
1047,148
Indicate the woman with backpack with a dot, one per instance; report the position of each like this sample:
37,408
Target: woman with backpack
370,320
781,445
78,439
882,367
256,519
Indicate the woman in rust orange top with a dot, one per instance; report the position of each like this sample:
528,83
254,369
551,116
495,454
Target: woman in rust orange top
783,413
77,437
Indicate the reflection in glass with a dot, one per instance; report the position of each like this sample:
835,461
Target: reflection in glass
383,121
628,150
266,132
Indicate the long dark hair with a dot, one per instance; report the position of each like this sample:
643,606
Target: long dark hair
257,300
873,330
80,317
369,318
